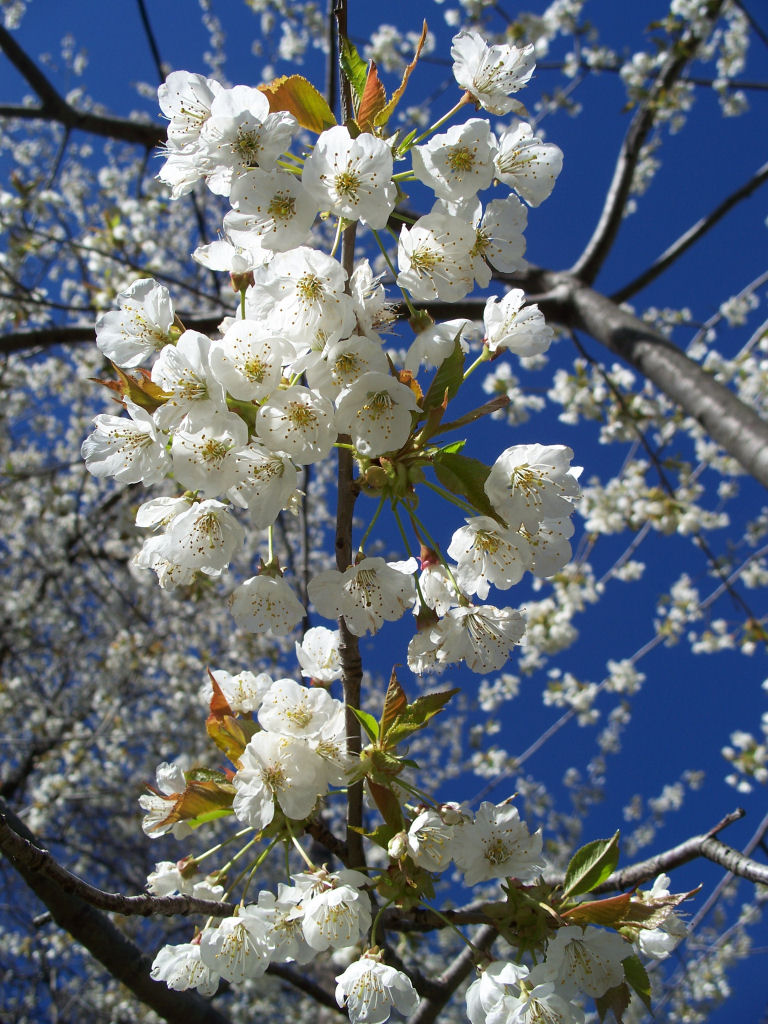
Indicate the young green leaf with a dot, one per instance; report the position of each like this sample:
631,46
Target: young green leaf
637,978
368,722
355,69
465,476
415,716
591,865
395,703
384,115
448,378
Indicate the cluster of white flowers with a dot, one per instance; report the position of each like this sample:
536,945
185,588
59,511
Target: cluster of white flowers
232,419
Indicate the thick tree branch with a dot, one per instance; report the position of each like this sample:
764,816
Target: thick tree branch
93,930
53,107
682,51
692,235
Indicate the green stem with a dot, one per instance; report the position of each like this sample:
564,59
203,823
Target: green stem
466,98
484,356
376,514
385,254
219,846
337,238
447,496
436,548
377,918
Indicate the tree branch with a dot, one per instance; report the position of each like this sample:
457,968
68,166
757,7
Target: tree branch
693,234
591,260
53,107
99,936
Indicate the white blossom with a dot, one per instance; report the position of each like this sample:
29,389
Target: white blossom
434,259
271,208
365,594
497,845
369,989
263,603
511,325
491,73
126,448
458,164
376,412
318,654
299,422
140,328
275,768
527,164
239,947
532,482
181,968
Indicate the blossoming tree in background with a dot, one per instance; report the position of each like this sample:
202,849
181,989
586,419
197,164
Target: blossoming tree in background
313,840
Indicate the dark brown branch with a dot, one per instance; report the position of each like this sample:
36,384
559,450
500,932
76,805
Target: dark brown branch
682,51
693,234
462,966
53,107
106,943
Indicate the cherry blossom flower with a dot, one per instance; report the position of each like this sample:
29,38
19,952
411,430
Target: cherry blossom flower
275,768
511,325
239,947
527,164
659,942
318,654
236,258
500,239
299,422
550,547
181,968
168,879
497,845
265,482
205,537
140,328
480,635
369,989
270,207
487,553
434,258
126,448
337,911
204,450
351,177
366,594
295,710
429,841
248,360
158,803
532,482
185,99
491,73
287,934
434,344
585,960
265,604
458,164
369,298
183,371
376,412
244,691
489,996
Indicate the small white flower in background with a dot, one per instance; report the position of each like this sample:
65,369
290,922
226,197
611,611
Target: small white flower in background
295,710
434,258
491,73
487,553
527,164
585,960
511,325
249,359
274,767
299,422
318,654
126,448
458,164
495,992
366,594
532,482
376,412
181,968
497,844
369,989
239,947
243,692
271,207
265,604
140,328
351,177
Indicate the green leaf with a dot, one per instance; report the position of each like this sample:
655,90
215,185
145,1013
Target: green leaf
354,67
466,476
395,702
453,447
374,98
384,115
591,865
637,978
368,722
416,715
499,402
406,143
447,380
616,1000
300,98
203,819
388,805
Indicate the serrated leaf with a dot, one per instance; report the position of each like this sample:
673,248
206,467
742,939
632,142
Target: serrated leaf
300,98
368,722
466,476
384,115
416,715
453,447
616,1000
395,702
610,912
373,99
637,978
354,68
447,380
591,865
